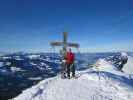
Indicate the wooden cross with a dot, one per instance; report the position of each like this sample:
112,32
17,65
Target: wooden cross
64,43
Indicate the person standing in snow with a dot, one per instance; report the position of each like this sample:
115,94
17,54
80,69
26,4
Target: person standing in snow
123,59
70,57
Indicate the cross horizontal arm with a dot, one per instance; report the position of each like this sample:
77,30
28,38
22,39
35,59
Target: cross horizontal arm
73,45
56,43
67,44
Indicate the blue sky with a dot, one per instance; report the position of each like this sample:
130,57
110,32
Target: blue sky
97,25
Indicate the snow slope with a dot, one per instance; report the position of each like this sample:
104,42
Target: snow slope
128,68
102,83
87,87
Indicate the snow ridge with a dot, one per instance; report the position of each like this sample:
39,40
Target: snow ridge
104,83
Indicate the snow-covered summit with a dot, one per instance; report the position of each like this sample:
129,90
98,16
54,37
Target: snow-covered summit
86,87
124,54
101,83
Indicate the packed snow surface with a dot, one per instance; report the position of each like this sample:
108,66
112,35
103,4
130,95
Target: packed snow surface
101,83
128,68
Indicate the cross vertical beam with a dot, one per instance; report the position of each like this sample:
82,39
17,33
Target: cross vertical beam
64,41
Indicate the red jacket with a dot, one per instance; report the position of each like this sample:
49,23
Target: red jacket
70,57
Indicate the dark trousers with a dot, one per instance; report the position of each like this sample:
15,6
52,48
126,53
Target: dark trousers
70,68
63,70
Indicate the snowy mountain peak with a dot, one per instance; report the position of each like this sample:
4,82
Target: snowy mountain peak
124,54
103,84
86,87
